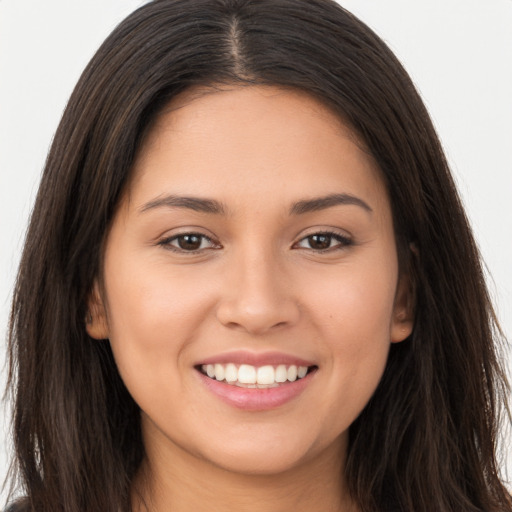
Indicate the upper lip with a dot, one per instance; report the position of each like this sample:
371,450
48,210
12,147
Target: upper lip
256,359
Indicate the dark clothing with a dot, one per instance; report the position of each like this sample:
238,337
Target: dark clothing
13,508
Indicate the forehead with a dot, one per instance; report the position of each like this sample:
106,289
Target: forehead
252,103
247,139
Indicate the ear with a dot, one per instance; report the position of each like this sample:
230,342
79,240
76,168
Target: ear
96,323
402,321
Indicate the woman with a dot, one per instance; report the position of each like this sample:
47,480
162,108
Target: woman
245,282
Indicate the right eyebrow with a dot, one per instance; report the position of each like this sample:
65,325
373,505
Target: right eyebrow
198,204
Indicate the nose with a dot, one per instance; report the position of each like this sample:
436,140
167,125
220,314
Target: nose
259,297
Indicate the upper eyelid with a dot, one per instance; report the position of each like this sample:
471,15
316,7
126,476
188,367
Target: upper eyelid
332,232
166,241
323,231
335,233
186,230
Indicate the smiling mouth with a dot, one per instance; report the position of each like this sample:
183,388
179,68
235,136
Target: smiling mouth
248,376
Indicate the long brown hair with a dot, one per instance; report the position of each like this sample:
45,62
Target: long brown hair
427,439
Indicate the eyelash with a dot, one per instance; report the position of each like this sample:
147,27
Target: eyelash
167,243
343,242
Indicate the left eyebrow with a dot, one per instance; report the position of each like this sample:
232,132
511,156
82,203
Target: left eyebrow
321,203
197,204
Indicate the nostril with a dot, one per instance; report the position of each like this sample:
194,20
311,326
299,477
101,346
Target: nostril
257,311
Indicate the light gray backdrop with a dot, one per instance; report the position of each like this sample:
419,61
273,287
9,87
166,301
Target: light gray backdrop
459,52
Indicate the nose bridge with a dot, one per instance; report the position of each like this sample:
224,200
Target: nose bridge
260,296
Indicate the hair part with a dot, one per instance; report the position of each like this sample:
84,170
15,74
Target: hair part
427,439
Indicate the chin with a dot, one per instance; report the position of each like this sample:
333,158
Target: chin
270,455
262,462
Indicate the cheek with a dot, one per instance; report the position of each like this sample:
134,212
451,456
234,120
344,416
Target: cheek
151,299
353,303
352,316
154,316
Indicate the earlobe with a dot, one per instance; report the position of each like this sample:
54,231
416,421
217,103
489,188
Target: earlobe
403,312
96,323
401,328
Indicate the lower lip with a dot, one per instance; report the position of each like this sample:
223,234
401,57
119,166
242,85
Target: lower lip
254,399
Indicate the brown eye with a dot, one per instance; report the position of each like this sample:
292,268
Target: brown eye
188,242
324,242
319,242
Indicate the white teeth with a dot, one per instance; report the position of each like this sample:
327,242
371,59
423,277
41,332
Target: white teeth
249,376
282,373
292,373
265,375
231,374
219,372
301,371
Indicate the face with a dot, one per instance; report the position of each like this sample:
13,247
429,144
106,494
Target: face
250,286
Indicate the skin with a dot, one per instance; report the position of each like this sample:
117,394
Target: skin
257,284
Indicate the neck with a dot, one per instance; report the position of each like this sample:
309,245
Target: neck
188,483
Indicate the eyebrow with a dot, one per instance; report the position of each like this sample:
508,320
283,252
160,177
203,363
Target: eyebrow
205,205
321,203
192,203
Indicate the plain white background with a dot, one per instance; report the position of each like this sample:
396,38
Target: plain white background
459,53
